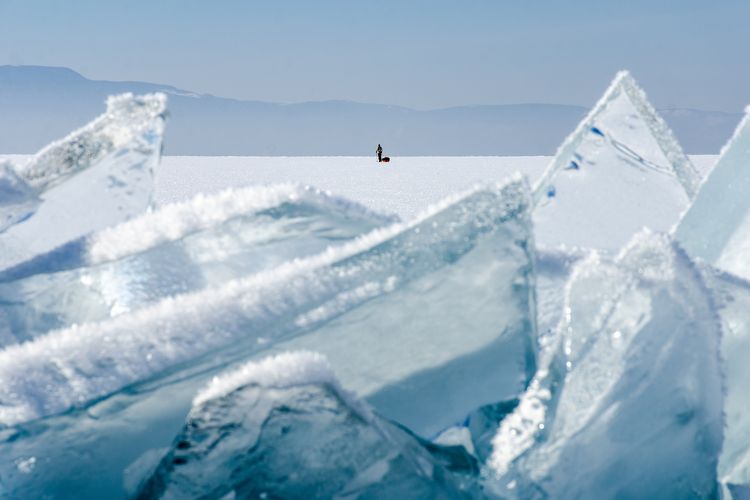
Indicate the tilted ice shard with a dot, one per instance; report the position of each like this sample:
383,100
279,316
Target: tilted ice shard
130,122
733,299
99,175
716,227
179,248
428,320
438,345
621,152
284,428
639,412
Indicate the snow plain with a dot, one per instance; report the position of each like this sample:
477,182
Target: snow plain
405,186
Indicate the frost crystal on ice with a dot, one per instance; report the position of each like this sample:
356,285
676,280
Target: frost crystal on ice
639,411
99,175
620,170
284,428
176,249
716,227
427,320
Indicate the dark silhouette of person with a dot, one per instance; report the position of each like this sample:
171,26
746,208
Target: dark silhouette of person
379,151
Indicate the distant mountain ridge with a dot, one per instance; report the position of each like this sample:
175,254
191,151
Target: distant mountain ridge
39,104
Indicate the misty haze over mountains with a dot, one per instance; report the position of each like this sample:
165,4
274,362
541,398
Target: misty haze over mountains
40,104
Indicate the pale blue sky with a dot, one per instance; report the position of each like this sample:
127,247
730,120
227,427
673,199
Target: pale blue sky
422,54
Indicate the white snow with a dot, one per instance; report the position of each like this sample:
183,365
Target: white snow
405,186
287,369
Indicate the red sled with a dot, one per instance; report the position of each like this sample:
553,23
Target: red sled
385,159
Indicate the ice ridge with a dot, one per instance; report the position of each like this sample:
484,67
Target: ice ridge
176,249
68,368
174,221
636,407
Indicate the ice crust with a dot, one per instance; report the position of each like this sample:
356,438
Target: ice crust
716,227
630,402
176,249
621,152
479,239
284,428
111,160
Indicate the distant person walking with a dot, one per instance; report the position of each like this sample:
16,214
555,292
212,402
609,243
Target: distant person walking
379,151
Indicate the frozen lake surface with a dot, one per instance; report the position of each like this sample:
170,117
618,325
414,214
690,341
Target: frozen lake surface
404,186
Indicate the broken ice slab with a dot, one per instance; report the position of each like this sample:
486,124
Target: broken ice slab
426,349
732,295
284,428
443,305
453,331
99,175
716,228
552,270
620,170
176,249
639,411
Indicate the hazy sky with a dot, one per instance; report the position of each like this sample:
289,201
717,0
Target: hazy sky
422,54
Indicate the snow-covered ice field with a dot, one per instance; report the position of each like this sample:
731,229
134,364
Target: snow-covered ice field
404,186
